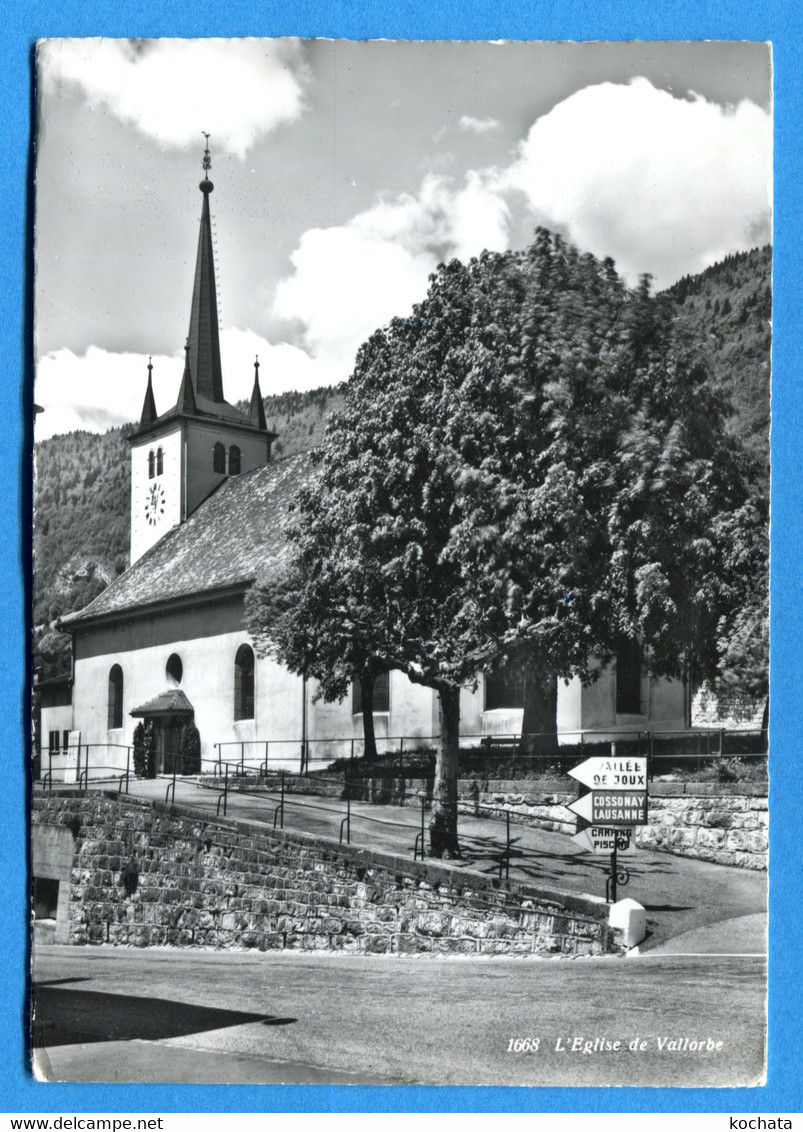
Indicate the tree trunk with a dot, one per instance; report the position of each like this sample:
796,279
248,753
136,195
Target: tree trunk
367,696
539,725
443,825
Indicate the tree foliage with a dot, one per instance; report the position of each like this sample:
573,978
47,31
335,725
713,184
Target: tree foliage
535,464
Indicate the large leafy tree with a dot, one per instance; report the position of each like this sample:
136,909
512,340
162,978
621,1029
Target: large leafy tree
315,617
530,469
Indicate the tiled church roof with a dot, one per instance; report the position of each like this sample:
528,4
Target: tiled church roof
234,535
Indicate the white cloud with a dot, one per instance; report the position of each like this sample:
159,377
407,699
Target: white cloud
281,366
99,389
662,184
478,125
350,279
171,89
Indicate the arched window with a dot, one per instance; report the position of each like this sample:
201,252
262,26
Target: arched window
628,678
234,460
504,688
159,462
150,465
244,683
219,458
174,669
381,697
115,717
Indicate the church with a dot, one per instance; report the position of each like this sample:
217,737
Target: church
166,642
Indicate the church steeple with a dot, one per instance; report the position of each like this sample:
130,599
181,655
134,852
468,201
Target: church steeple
256,410
204,336
149,404
179,458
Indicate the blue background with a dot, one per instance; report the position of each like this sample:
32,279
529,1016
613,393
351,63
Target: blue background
24,22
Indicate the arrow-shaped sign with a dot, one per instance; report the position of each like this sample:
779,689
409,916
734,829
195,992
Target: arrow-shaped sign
582,806
601,839
612,807
614,773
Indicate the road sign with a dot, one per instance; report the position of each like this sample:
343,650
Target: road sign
612,807
612,773
603,839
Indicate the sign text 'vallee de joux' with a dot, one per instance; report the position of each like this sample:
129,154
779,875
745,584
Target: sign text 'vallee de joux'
612,773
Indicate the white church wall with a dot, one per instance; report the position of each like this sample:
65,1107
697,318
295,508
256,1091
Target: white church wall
664,703
334,728
570,708
208,683
413,709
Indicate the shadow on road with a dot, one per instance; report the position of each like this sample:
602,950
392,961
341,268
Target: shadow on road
69,1017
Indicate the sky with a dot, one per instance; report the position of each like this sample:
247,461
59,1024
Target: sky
344,173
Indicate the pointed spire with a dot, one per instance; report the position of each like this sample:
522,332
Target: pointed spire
204,335
186,395
149,405
256,411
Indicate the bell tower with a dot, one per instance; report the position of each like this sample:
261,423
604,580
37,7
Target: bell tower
180,457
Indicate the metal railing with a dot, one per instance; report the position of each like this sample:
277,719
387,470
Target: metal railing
326,805
88,761
306,755
412,758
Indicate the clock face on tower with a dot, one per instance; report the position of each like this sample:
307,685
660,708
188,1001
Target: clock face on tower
155,503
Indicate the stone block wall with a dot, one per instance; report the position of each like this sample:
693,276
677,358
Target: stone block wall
153,875
716,823
541,804
725,823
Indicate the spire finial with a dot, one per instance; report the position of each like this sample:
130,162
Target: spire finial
256,366
206,185
150,367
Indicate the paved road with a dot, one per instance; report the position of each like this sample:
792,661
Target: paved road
680,894
167,1015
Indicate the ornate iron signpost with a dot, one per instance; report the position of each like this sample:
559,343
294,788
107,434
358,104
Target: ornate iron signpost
608,814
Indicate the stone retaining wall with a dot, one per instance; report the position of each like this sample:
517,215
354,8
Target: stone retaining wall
715,823
146,874
722,822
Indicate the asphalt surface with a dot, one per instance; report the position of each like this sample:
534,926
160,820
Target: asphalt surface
119,1014
680,894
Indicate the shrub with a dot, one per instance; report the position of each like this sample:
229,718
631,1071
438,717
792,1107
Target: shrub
190,749
144,751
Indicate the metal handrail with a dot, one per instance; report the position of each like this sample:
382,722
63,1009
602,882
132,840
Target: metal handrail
280,808
347,819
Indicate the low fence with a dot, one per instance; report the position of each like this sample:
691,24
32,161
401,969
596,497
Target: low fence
82,763
496,756
393,808
479,752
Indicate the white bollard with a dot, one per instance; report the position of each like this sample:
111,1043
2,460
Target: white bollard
629,916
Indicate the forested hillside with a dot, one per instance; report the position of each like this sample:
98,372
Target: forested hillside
729,308
83,480
82,499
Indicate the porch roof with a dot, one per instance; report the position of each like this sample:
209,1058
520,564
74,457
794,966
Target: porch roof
171,702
